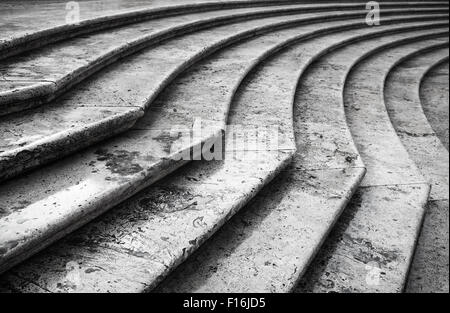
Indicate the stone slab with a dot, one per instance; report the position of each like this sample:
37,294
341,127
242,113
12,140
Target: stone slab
198,199
372,246
111,88
405,110
436,106
430,267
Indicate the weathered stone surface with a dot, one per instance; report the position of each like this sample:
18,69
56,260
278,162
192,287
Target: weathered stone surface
436,105
127,84
134,246
405,111
255,260
53,20
366,248
429,271
268,246
372,245
84,55
158,228
198,193
57,182
49,17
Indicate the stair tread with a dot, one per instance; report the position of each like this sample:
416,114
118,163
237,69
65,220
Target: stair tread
48,15
204,190
113,90
428,272
120,86
436,110
136,245
86,54
102,161
243,258
198,198
371,246
405,111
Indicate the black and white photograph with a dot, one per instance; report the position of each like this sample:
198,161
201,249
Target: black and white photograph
198,149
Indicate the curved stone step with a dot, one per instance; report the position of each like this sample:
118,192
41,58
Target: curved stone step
250,253
429,271
267,247
371,247
405,111
148,240
34,78
435,105
92,179
75,118
48,24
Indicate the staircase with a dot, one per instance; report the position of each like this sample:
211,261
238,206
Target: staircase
224,146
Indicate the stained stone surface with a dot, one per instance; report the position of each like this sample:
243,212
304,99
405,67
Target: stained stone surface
80,56
246,256
372,244
405,111
176,253
134,246
429,271
120,86
434,97
15,14
170,109
149,163
162,225
49,13
367,246
252,251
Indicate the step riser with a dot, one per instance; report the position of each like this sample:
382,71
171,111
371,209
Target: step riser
26,98
232,257
185,255
259,219
32,156
38,39
383,220
403,101
103,202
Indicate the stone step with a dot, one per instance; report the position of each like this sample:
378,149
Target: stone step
240,250
429,271
51,21
405,111
102,177
49,24
140,241
371,247
34,78
74,121
267,246
434,104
